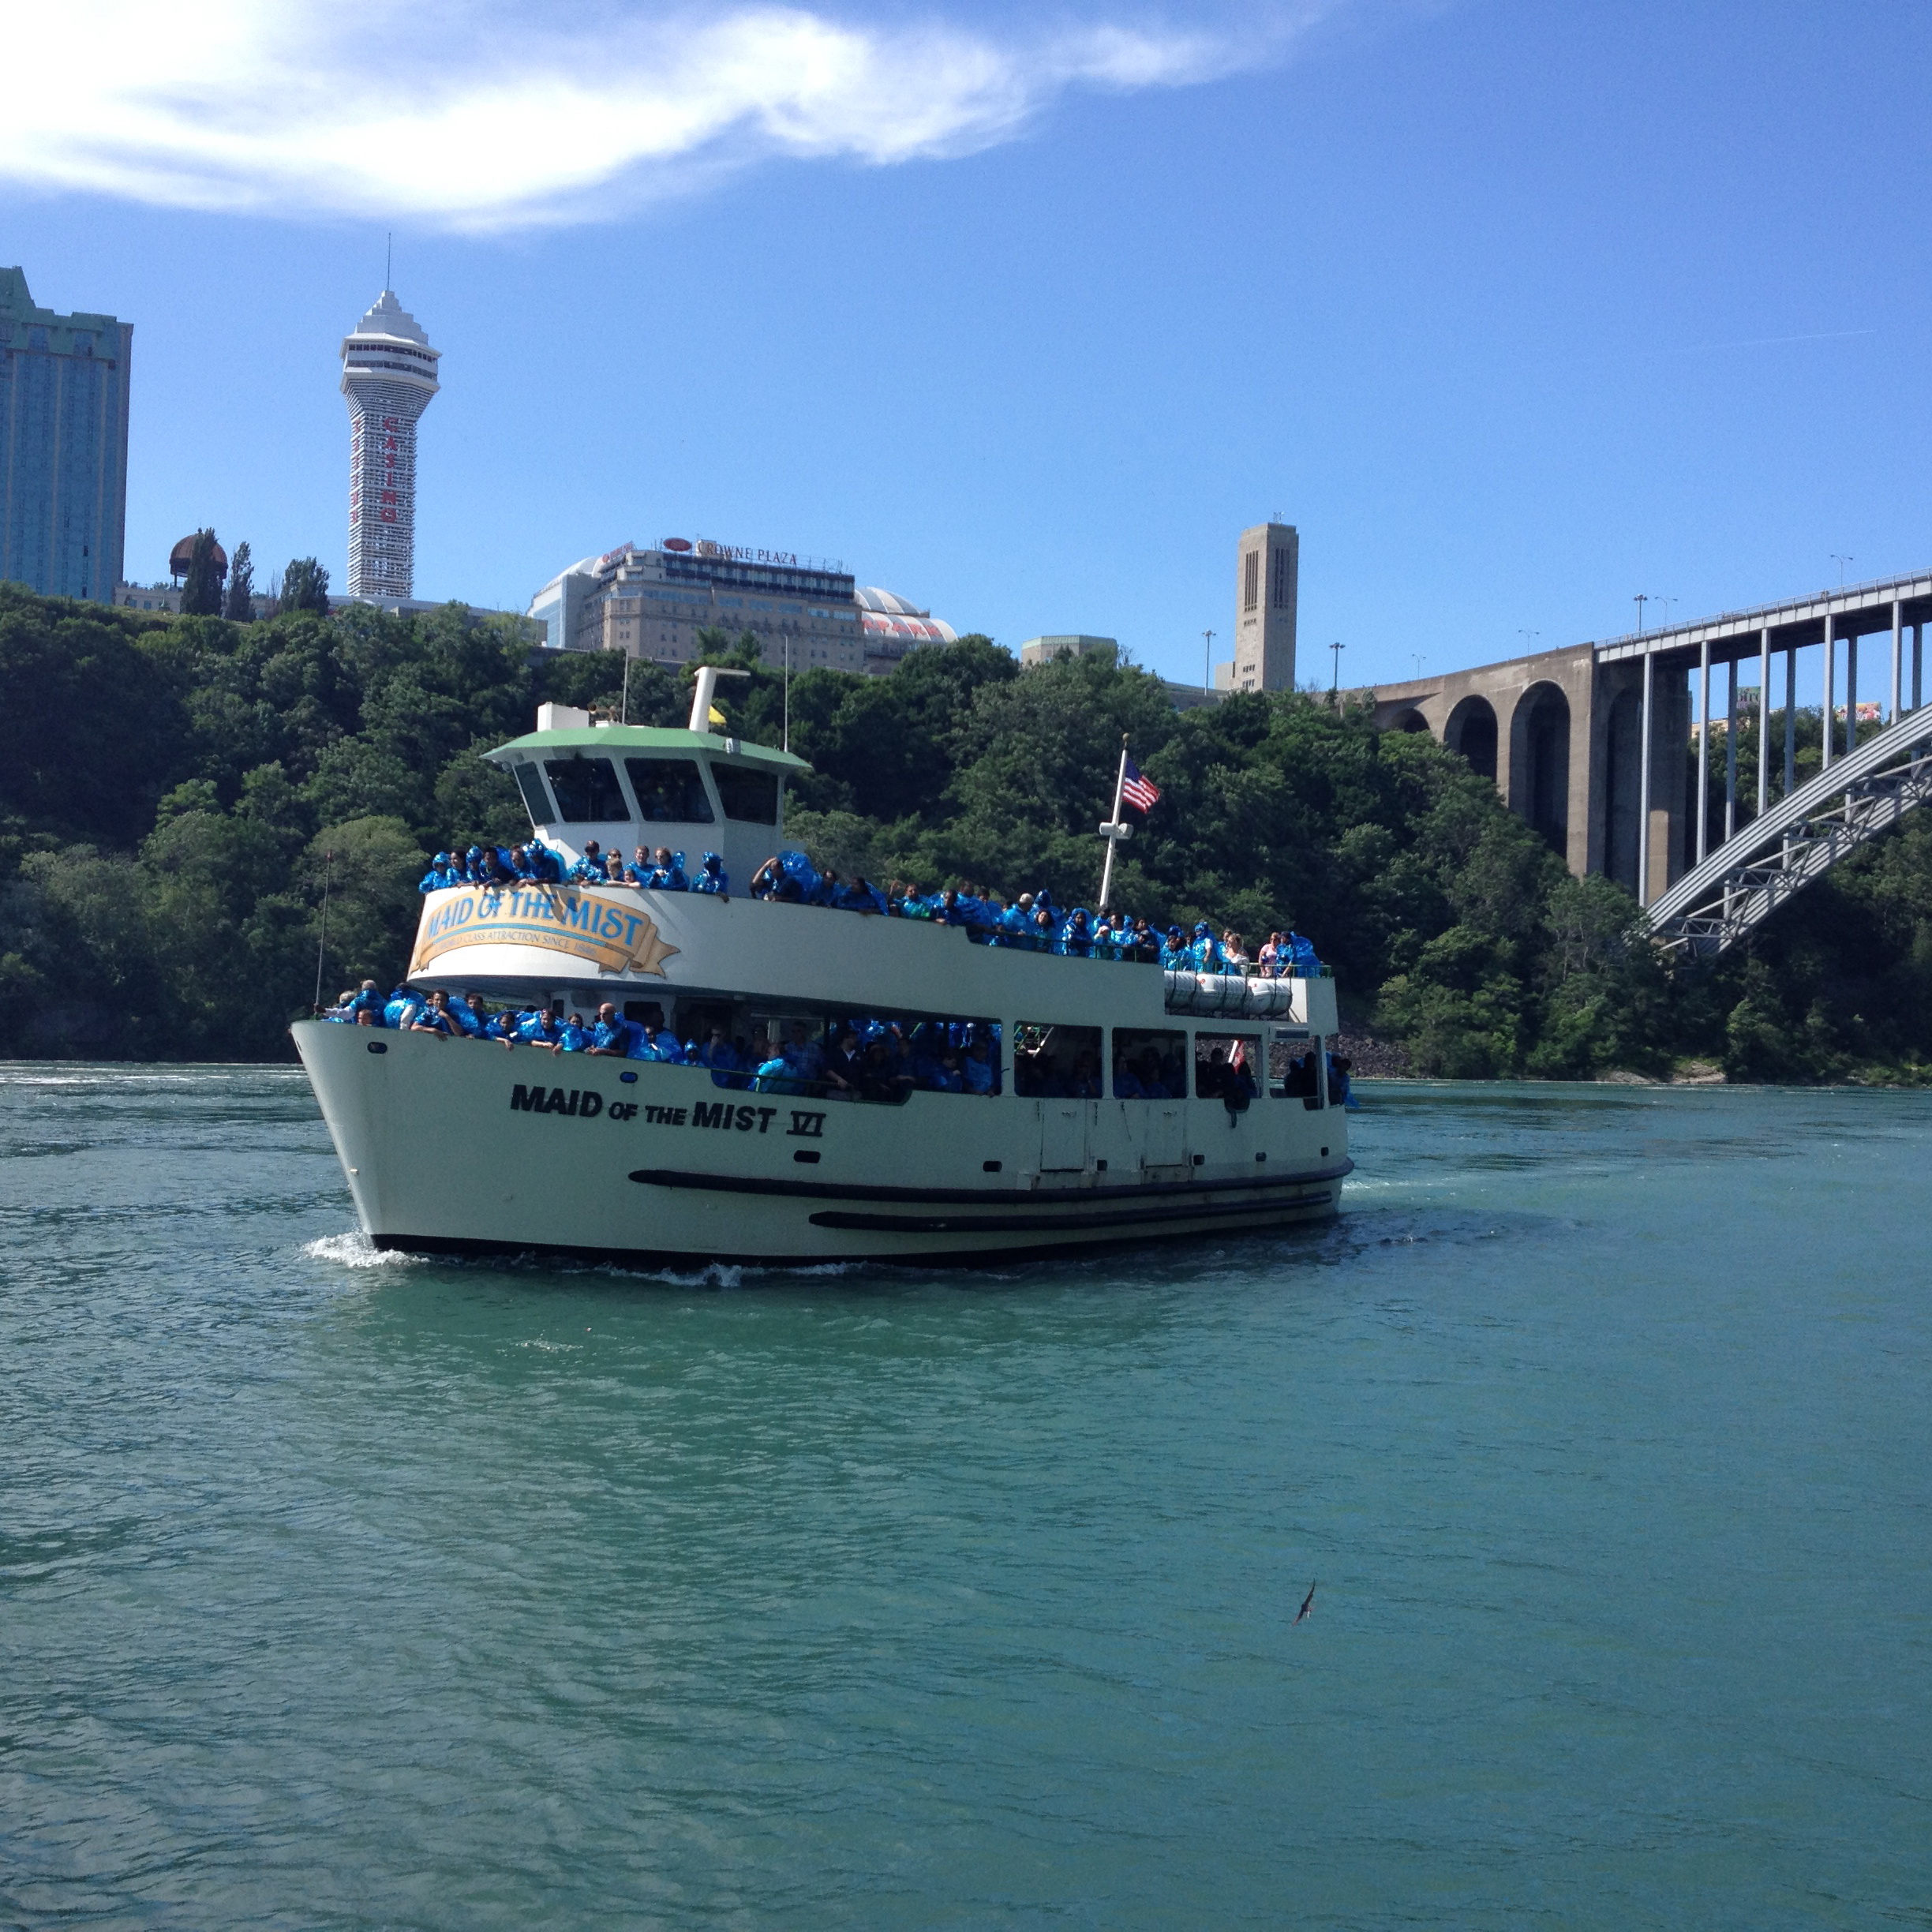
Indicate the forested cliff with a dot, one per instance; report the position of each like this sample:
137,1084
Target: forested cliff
170,788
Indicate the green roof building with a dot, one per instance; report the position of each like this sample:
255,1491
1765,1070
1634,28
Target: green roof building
63,446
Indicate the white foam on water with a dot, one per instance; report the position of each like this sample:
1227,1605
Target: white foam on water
356,1250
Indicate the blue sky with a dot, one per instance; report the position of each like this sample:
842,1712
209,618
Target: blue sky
1516,310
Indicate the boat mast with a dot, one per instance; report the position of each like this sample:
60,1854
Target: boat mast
1114,831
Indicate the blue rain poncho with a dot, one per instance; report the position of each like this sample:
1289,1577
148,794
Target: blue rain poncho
613,1036
803,874
442,874
539,1028
1173,953
1205,953
670,878
1303,952
402,1008
712,877
463,1015
1076,935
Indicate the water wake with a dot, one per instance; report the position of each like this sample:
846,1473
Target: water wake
357,1251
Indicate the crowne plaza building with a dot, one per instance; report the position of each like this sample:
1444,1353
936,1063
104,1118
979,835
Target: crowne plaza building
654,602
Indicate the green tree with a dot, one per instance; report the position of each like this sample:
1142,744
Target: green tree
239,606
201,588
305,587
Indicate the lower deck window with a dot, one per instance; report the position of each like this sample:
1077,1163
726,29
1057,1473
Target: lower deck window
1225,1065
828,1054
1294,1068
1149,1065
1056,1063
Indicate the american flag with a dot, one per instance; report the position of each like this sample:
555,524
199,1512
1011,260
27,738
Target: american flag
1137,790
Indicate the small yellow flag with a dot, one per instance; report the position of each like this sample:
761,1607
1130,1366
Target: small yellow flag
718,717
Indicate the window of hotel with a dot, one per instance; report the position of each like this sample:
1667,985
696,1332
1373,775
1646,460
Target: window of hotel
669,790
751,797
587,791
1251,580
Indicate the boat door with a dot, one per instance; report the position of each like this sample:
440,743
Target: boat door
1063,1134
1165,1123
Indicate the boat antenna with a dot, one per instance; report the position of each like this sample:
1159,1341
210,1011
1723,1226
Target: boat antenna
328,863
1114,831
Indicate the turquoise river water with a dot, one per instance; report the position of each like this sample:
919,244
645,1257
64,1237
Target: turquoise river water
337,1591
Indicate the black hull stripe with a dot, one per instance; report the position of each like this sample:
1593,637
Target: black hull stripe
1030,1199
682,1260
1121,1217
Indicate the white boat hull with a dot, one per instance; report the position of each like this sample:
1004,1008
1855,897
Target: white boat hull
463,1146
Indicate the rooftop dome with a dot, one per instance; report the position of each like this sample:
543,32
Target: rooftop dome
871,597
183,554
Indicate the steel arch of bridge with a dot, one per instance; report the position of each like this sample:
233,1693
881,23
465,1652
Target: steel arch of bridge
1750,876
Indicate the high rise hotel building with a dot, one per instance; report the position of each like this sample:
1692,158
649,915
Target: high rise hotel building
389,376
63,445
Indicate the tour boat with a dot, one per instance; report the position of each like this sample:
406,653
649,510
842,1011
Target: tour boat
459,1146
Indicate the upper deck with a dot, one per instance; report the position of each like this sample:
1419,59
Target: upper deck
626,943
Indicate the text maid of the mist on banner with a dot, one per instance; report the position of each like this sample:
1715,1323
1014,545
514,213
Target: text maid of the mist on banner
612,936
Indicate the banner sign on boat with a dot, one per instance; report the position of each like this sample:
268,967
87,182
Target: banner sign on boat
615,938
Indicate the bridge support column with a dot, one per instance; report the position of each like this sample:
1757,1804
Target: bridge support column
1850,694
1790,719
1730,758
1918,663
1898,658
1703,752
1643,782
1763,719
1831,678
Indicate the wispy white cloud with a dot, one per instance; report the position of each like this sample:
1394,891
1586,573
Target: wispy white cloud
484,114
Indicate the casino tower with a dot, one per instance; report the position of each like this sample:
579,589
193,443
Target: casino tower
389,376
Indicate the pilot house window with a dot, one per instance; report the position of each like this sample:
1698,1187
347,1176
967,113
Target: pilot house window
531,786
669,790
587,791
749,796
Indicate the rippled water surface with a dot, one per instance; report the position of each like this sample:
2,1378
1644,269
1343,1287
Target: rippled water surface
335,1591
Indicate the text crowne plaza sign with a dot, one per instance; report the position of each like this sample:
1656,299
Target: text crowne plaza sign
585,926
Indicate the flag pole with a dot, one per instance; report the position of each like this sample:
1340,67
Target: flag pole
1111,830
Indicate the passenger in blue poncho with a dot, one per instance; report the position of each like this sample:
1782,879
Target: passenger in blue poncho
1204,950
980,1069
611,1035
712,877
400,1010
718,1053
1076,936
590,869
435,1017
573,1036
667,871
540,1028
441,875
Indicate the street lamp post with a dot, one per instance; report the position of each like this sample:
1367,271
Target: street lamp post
1334,686
1207,638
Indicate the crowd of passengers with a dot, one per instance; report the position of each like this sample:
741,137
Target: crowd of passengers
1032,922
866,1059
535,863
850,1059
